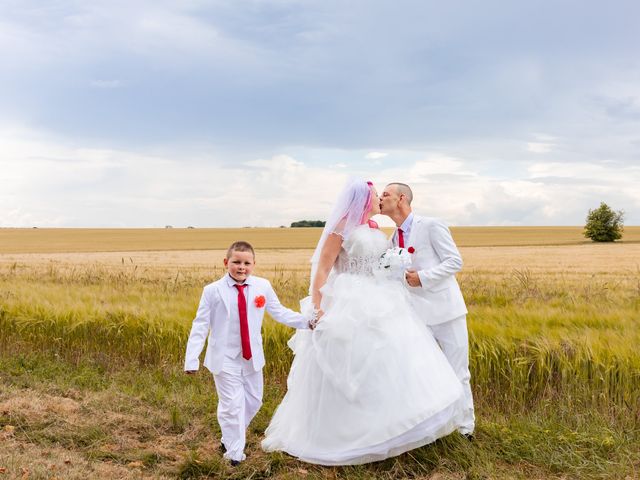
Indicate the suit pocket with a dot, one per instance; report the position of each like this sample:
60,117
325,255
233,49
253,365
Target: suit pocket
438,288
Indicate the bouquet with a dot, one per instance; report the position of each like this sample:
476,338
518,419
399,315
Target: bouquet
395,262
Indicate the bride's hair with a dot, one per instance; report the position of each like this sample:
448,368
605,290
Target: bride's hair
350,210
367,207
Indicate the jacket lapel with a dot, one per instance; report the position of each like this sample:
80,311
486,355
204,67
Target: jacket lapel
394,238
223,290
414,227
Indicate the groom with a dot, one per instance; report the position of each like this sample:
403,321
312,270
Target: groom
435,260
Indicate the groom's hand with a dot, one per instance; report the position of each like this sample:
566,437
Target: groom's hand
413,279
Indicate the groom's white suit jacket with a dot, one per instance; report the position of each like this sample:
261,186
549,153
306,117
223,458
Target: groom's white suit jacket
437,260
214,316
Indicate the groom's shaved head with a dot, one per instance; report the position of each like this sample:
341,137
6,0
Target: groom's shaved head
403,189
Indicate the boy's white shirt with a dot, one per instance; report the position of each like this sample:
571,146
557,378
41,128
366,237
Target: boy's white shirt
436,259
215,314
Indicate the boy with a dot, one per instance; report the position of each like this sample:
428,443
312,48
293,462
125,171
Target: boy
230,312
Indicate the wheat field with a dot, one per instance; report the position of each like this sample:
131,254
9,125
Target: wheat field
58,240
91,345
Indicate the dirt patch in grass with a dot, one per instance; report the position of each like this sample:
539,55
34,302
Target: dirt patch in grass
103,435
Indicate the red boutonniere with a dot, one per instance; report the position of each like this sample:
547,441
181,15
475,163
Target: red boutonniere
259,301
411,250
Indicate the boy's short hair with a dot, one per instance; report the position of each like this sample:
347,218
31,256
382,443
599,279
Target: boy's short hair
240,246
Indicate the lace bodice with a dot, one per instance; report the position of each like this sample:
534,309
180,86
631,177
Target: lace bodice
361,251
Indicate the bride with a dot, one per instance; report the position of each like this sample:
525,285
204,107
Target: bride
370,382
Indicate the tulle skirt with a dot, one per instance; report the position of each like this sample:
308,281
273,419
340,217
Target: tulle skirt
370,382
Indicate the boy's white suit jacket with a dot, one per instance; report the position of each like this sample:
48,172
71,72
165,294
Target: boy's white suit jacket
214,316
437,260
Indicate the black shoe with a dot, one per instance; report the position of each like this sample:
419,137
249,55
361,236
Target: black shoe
234,463
222,448
469,436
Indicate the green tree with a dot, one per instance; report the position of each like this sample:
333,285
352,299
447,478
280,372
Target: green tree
604,224
308,223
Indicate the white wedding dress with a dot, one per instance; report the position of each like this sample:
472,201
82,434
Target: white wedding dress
370,382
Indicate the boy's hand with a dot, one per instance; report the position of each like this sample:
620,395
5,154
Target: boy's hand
190,372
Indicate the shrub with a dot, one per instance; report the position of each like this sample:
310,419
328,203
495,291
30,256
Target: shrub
308,223
604,224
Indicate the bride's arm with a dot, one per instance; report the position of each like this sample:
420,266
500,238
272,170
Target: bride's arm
328,255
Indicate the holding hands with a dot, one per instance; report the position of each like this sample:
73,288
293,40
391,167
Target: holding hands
315,318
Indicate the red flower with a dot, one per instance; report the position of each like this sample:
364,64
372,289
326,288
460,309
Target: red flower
411,249
259,301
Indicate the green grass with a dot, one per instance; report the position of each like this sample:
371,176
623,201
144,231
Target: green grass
128,415
554,361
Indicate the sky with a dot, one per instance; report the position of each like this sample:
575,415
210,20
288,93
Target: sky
256,113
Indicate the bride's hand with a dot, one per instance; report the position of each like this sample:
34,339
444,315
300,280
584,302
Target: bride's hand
315,318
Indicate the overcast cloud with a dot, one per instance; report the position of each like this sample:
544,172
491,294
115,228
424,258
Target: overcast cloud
234,113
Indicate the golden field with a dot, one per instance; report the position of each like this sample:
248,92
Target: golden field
57,240
93,329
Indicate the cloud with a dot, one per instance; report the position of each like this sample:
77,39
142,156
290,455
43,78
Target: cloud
438,164
50,182
538,147
613,173
267,75
147,113
47,184
620,108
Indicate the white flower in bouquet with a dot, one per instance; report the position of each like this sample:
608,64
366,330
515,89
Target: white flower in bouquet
395,261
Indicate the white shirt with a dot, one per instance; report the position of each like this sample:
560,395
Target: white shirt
234,340
406,230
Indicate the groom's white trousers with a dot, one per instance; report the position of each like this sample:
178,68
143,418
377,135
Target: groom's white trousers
453,338
239,390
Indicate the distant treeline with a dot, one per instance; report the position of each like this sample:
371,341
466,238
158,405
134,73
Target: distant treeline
308,223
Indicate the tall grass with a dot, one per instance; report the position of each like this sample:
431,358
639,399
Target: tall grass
554,360
533,337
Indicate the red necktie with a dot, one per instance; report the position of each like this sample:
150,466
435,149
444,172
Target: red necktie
244,324
400,238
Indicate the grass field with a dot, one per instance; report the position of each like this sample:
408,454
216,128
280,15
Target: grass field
60,240
91,346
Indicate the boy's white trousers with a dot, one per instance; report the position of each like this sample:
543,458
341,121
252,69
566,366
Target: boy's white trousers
239,389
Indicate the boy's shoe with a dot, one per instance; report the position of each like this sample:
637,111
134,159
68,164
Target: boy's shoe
232,462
